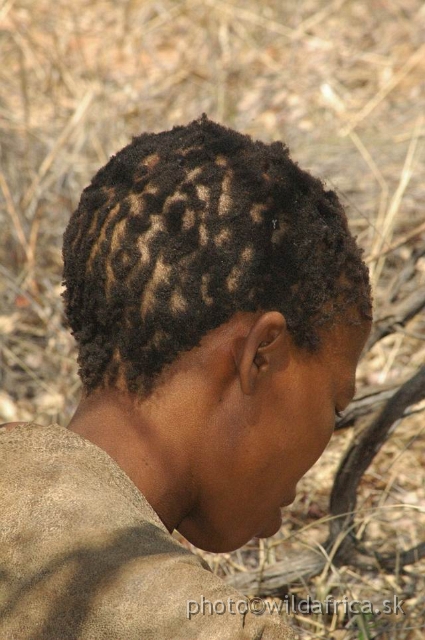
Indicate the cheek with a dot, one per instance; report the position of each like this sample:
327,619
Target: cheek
308,430
317,425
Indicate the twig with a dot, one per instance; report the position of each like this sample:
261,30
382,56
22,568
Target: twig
296,567
6,8
411,63
361,453
13,214
387,220
402,240
398,315
49,159
405,274
401,558
273,25
365,403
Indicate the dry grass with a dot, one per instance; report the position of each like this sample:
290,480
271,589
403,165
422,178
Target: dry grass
342,83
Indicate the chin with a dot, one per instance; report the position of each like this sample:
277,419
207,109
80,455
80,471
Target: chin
224,542
219,546
289,500
270,529
225,539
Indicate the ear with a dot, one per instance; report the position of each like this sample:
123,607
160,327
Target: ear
263,350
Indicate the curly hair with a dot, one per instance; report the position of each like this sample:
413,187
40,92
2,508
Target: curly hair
182,229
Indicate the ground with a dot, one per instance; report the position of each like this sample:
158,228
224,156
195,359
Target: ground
343,84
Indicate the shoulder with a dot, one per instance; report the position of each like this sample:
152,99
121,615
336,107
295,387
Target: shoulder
172,594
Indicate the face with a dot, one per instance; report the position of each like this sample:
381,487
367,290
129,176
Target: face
272,438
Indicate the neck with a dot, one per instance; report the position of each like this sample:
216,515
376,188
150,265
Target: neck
145,446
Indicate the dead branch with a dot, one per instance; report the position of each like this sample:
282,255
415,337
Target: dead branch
391,561
363,450
366,402
400,314
407,272
295,567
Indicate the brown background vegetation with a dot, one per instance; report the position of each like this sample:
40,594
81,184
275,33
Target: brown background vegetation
343,84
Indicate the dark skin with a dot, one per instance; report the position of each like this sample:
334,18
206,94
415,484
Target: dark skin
220,445
230,429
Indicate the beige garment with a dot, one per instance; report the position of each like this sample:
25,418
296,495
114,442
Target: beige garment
84,556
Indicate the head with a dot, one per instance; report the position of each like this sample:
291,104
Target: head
201,260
